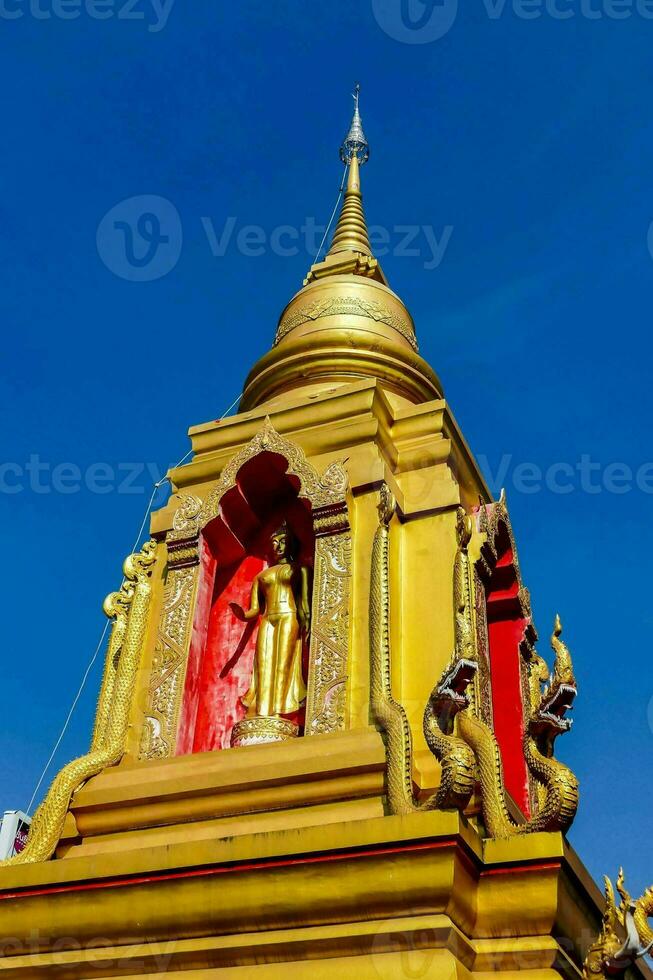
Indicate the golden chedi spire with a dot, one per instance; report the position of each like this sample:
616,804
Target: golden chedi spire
345,323
351,231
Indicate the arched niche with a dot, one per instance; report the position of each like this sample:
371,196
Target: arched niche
216,546
234,547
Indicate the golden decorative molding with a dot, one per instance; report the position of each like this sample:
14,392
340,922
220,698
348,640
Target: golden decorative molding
330,520
352,305
168,673
262,731
183,554
185,517
129,609
329,657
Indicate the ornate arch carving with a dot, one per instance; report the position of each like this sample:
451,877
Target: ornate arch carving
326,491
328,663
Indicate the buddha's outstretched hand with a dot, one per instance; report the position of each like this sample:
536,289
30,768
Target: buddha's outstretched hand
238,611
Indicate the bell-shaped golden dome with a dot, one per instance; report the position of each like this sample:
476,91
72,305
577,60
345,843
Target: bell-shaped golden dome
345,323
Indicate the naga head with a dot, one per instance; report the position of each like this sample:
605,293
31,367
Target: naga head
625,934
139,565
449,696
559,696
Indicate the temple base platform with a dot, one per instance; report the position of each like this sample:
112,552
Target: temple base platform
326,886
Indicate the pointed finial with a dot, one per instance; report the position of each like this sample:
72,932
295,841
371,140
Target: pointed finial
355,143
351,233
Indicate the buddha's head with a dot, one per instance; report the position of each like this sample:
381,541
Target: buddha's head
282,543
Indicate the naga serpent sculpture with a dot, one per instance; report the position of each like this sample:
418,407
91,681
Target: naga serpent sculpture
546,721
449,700
457,760
129,609
610,954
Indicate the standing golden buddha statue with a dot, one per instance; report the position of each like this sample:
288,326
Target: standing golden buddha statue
280,597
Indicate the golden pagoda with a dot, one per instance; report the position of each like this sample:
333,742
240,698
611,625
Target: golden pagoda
324,742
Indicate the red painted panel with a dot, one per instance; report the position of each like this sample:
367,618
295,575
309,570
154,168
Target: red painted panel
505,635
228,659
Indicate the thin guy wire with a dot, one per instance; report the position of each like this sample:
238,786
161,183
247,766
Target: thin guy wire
70,714
158,484
333,213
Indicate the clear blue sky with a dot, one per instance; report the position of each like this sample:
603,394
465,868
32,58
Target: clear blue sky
531,138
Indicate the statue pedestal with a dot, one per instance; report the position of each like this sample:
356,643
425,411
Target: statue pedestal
258,730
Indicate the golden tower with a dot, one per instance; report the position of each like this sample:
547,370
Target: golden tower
324,742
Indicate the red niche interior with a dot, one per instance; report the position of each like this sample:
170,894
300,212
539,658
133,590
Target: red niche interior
234,547
506,629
